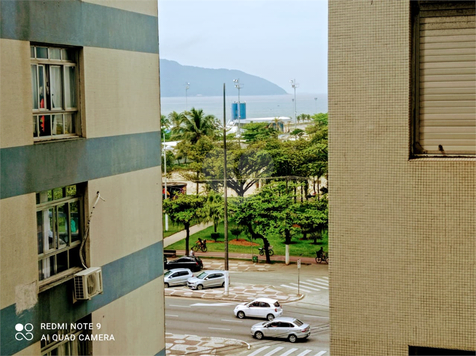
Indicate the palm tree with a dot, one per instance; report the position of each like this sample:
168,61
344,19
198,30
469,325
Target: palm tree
194,125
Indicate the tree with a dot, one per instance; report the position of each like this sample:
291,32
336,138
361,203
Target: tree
194,125
186,210
259,131
313,217
164,126
215,208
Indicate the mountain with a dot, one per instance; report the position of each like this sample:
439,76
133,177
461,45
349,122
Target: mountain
209,82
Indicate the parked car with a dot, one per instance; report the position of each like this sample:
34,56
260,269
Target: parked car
207,279
193,263
177,277
282,327
266,308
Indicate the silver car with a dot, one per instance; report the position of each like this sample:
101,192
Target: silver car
207,279
177,277
282,327
259,308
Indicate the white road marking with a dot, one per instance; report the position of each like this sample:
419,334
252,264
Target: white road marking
324,283
211,304
320,353
314,289
288,352
304,353
258,351
176,316
272,352
302,289
179,306
219,329
316,284
232,321
311,316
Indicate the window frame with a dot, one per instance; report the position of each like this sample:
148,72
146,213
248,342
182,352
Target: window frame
70,114
416,150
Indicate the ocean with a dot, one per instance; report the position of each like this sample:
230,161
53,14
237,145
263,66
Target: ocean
256,106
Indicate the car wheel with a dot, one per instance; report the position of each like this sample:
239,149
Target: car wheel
166,285
270,317
240,315
292,338
259,335
199,287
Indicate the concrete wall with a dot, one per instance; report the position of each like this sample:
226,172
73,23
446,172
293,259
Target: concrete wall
401,234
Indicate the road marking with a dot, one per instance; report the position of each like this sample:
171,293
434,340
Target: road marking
302,289
311,316
211,304
315,284
321,353
172,315
289,352
272,352
324,283
307,287
232,321
258,351
304,353
219,329
179,306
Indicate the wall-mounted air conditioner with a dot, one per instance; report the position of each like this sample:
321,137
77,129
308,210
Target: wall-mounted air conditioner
88,283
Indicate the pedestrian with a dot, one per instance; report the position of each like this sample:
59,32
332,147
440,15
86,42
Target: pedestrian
192,253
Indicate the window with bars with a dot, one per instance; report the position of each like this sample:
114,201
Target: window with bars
59,217
444,78
54,74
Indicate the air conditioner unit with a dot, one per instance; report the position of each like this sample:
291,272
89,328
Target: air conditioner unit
88,283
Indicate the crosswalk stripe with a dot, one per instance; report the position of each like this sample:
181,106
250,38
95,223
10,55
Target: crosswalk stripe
322,280
315,285
302,289
326,283
320,353
304,353
258,351
272,352
289,352
314,289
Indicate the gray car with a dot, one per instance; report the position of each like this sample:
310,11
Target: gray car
282,327
207,279
177,277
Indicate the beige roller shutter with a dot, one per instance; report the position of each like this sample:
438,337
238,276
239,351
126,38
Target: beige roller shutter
447,78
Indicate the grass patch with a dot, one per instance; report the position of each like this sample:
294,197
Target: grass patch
172,227
298,247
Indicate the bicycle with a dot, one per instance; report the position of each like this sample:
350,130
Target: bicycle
198,246
321,257
270,249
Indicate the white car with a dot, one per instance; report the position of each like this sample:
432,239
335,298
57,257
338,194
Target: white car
177,277
283,328
266,308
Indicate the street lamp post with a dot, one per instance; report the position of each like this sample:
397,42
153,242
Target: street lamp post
294,85
165,184
187,86
238,86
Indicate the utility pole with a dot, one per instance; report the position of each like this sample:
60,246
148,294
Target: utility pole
165,183
187,86
238,86
225,196
294,85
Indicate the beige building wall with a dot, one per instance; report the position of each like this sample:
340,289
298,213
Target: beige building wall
402,231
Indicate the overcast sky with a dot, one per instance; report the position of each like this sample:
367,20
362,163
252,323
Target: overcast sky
277,40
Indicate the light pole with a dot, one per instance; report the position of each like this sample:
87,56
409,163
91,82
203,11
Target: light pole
165,183
294,86
238,86
187,86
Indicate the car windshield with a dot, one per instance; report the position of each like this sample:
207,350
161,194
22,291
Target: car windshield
167,273
202,275
298,322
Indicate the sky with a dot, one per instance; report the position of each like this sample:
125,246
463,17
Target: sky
278,40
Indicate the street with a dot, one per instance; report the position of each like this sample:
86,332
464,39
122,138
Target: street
215,318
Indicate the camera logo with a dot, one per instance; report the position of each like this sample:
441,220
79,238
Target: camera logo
24,332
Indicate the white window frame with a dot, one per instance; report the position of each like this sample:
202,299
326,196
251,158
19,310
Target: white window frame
45,116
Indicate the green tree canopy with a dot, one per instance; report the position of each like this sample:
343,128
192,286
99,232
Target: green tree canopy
193,125
259,131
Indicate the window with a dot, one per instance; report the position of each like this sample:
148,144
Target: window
54,77
58,218
444,78
68,341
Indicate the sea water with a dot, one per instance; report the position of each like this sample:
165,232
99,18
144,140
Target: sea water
256,106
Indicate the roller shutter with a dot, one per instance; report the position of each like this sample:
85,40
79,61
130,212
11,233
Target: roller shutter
446,78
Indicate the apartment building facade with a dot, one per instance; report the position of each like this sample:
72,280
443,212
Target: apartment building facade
81,266
402,171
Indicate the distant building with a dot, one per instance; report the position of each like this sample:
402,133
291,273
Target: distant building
402,168
80,115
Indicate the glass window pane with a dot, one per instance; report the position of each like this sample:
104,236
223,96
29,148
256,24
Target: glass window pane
41,52
62,262
74,208
68,54
63,234
58,193
47,267
70,87
45,125
74,260
58,124
34,86
55,53
40,229
32,52
41,86
56,87
49,222
71,191
35,126
68,124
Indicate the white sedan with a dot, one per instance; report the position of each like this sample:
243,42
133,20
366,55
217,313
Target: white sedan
266,308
